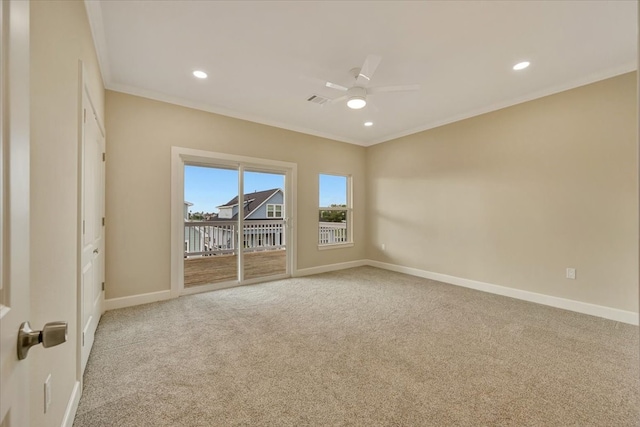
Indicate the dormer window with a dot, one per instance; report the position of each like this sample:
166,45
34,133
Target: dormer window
274,211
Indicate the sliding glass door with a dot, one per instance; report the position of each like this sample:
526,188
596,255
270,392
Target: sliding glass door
264,232
210,225
231,239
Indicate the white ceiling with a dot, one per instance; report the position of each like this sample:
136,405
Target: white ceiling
264,58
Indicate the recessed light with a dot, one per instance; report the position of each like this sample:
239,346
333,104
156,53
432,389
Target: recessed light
521,65
368,124
200,74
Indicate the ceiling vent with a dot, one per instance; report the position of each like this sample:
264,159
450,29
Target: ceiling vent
317,99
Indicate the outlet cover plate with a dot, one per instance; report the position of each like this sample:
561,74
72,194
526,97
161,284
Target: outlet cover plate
571,273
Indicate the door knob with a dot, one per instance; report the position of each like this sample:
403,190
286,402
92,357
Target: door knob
52,334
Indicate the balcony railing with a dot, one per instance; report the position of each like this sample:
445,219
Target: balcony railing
207,238
332,232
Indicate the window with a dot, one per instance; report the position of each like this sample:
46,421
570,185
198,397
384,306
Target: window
334,215
274,211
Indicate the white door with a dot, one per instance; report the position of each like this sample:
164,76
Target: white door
92,240
14,209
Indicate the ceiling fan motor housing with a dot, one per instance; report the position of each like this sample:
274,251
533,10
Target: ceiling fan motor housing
356,93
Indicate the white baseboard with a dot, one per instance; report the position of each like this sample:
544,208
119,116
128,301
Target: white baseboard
329,267
566,304
72,406
122,302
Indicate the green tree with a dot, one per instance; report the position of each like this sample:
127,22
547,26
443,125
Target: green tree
334,216
198,216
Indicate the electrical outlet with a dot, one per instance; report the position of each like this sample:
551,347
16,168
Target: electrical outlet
47,394
571,273
383,246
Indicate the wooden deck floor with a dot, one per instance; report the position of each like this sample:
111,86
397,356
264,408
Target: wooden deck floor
223,268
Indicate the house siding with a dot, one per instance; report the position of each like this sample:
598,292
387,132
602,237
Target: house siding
261,212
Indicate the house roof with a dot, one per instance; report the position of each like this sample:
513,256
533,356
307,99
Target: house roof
253,201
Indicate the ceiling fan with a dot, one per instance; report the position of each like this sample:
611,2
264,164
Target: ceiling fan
356,95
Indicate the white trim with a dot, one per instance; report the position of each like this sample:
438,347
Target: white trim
122,302
72,406
231,284
566,304
563,303
593,78
194,157
329,267
177,232
335,246
240,236
157,96
348,209
180,156
209,288
96,23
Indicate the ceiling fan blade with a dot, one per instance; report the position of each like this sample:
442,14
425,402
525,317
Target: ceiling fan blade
336,86
338,99
401,88
367,70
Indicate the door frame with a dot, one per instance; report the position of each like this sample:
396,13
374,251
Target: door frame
181,156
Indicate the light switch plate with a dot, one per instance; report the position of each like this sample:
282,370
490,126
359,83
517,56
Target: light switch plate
47,394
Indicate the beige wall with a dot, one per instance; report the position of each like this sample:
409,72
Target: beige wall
60,37
140,133
512,197
516,196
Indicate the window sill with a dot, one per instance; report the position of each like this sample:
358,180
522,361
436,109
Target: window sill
334,246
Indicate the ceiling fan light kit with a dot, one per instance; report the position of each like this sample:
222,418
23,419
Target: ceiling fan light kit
357,95
356,98
356,103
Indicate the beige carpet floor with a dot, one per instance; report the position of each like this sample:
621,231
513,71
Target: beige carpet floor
360,347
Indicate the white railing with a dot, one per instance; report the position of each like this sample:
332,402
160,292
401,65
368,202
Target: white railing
207,238
332,232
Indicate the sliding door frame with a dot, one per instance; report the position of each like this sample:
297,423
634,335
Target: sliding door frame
180,157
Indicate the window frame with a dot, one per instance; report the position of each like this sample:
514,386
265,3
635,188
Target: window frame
348,213
275,207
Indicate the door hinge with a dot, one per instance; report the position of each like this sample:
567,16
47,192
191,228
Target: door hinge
104,157
83,226
103,286
84,115
103,221
83,339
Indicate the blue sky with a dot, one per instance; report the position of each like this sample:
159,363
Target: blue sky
333,190
208,187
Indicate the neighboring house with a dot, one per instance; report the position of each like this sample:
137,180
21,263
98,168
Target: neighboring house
186,210
263,213
193,237
259,205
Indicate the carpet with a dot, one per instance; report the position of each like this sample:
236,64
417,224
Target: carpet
358,347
